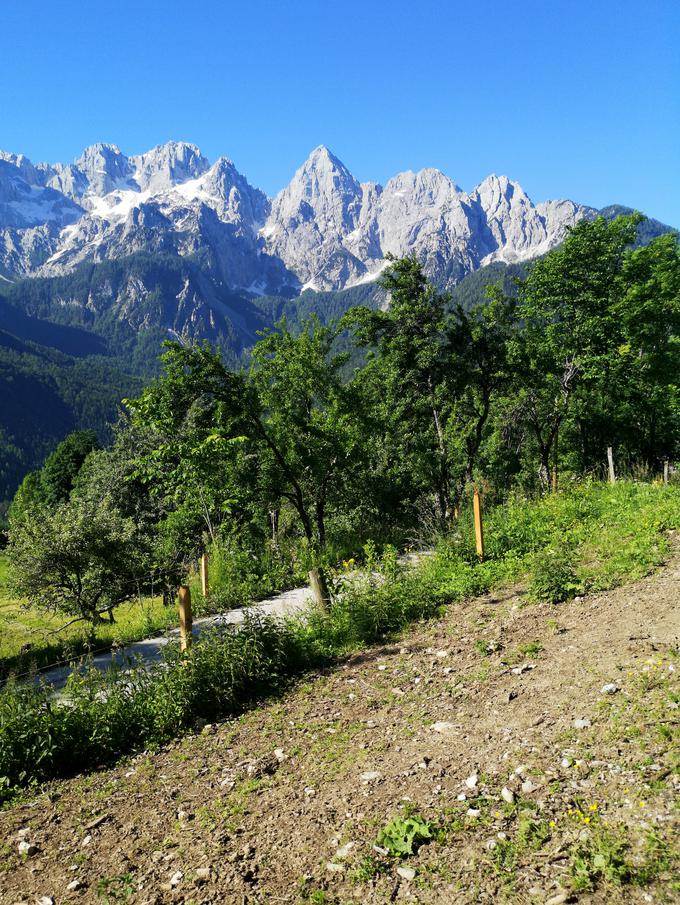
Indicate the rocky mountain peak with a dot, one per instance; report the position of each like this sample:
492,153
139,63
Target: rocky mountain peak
105,168
167,165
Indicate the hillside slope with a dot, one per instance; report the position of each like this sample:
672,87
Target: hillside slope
490,725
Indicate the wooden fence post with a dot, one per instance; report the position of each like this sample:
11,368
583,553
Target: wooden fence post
185,617
554,479
665,471
610,460
205,587
479,529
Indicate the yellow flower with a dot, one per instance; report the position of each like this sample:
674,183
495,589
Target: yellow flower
586,819
552,823
593,807
643,804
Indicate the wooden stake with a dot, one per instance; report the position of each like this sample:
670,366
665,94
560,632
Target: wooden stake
185,617
479,529
665,471
205,588
554,479
610,460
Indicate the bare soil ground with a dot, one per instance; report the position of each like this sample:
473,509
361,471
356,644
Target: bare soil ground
571,792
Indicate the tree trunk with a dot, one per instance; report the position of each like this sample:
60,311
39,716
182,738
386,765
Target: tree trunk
321,524
544,467
274,516
319,586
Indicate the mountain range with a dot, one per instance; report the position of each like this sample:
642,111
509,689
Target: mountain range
323,231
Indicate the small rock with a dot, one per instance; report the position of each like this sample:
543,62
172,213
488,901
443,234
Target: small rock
202,874
442,727
334,868
45,900
279,754
176,878
473,812
344,850
507,795
370,776
527,786
23,833
471,781
491,845
461,797
442,654
27,848
609,688
310,792
406,873
73,885
86,840
557,899
382,667
581,724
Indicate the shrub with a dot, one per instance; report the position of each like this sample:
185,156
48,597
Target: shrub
554,578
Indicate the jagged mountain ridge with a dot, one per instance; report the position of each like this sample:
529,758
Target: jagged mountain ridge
325,230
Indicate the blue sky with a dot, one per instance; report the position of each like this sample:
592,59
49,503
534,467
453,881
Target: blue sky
571,98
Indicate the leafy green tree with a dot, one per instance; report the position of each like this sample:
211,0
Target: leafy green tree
79,558
61,468
570,331
647,367
409,342
285,432
478,373
437,373
311,424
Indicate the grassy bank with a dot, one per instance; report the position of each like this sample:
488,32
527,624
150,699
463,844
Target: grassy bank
589,538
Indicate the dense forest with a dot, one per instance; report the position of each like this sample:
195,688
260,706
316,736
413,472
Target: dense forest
376,425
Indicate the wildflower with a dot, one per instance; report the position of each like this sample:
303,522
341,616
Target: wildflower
586,819
593,807
552,823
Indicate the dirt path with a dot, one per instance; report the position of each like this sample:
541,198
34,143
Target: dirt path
150,650
284,805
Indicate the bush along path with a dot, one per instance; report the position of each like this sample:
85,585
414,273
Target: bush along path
150,651
506,752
